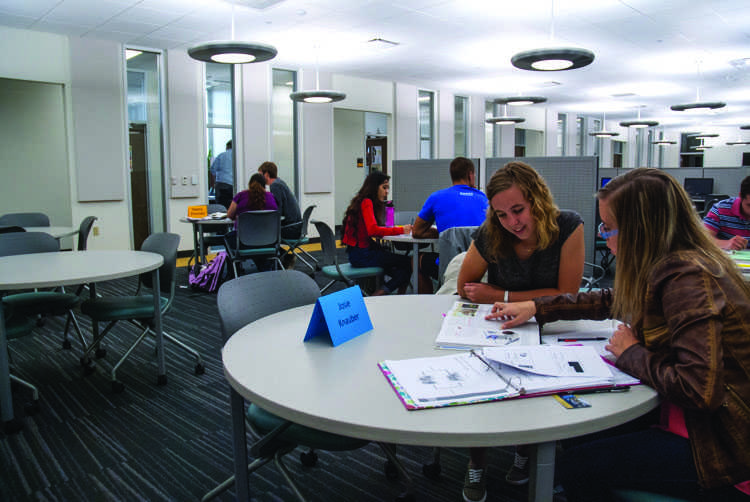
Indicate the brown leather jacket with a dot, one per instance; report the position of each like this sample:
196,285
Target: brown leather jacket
694,351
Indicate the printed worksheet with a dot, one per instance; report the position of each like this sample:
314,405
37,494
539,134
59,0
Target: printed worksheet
465,327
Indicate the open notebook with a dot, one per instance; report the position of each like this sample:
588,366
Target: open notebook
495,373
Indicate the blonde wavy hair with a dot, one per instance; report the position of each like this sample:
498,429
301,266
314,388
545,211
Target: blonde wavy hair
536,192
655,217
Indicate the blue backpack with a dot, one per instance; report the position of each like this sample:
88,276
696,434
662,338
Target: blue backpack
211,275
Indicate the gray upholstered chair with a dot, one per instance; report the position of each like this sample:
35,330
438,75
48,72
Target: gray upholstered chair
340,271
247,299
139,308
25,219
258,237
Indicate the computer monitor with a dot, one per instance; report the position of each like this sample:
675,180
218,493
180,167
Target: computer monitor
699,186
605,181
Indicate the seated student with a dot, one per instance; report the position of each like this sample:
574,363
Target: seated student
287,202
363,221
255,198
685,332
728,221
460,205
529,248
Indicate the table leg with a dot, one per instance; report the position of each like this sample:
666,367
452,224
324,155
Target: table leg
241,478
161,378
542,472
415,269
202,248
196,249
6,396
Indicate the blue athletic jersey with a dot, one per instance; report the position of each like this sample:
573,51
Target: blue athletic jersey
455,206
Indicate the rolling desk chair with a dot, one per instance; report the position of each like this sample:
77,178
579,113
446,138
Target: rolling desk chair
25,219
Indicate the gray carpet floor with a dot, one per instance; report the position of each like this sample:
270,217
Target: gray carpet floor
173,442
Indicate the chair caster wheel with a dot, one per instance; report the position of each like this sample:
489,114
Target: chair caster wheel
31,408
391,472
432,471
67,345
200,369
88,367
161,380
405,497
308,458
100,353
118,387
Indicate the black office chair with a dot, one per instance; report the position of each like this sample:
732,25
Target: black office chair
341,271
25,219
258,237
296,244
9,229
84,229
247,299
139,308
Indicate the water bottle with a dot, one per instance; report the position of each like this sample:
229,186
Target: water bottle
389,212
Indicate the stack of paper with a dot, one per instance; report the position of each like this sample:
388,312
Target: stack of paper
465,326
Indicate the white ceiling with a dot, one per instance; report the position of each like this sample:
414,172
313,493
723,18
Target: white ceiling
647,51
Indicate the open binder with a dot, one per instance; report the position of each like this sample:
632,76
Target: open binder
496,373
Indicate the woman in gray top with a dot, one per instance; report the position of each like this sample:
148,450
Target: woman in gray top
529,248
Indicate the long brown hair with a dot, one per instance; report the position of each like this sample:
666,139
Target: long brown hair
655,217
256,188
369,190
536,192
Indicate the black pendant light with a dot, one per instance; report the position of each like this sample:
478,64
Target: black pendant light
318,95
505,119
603,132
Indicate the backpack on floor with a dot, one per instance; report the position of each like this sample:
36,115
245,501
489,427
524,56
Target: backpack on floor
211,275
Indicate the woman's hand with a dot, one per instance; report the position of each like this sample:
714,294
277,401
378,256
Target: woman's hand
481,292
407,229
515,313
622,339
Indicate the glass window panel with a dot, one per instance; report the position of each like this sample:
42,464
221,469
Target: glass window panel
283,125
461,126
426,102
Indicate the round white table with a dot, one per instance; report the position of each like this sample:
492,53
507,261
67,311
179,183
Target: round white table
342,390
45,270
408,239
199,250
58,232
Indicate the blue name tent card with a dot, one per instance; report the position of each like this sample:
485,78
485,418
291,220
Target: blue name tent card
341,315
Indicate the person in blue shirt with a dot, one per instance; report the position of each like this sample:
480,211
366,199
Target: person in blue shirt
460,205
222,175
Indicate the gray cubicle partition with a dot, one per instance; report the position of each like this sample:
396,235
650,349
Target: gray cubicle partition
726,179
414,180
573,182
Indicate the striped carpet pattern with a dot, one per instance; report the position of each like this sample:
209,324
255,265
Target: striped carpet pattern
173,442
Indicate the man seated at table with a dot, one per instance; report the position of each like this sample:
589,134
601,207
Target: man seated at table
287,202
728,221
460,205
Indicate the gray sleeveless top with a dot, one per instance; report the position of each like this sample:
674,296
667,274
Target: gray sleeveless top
540,270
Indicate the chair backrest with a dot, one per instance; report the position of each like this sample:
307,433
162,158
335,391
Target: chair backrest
216,208
27,242
84,230
306,220
327,242
25,219
451,242
166,245
260,229
250,297
9,229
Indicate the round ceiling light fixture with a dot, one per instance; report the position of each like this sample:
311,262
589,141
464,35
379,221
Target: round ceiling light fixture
703,135
317,96
732,143
745,127
232,52
709,105
520,100
553,59
639,123
663,142
505,120
603,132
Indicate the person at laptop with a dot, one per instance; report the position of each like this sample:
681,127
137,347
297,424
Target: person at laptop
529,248
728,221
685,332
460,205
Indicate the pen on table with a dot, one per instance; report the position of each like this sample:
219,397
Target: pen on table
593,339
622,388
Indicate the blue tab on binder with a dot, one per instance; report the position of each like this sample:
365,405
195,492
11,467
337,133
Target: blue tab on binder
341,315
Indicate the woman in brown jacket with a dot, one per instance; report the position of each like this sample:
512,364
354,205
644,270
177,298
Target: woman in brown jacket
685,312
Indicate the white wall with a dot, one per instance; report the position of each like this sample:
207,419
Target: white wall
446,139
349,144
